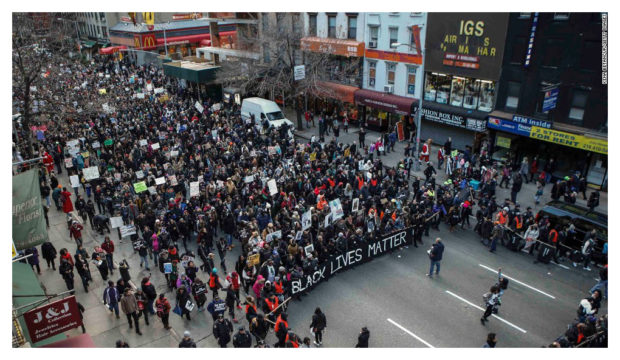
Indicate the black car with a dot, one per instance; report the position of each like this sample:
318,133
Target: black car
561,214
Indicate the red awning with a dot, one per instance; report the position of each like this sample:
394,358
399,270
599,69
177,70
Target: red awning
391,103
339,92
80,341
111,49
205,42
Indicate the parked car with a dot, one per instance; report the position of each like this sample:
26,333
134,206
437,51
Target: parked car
563,214
263,109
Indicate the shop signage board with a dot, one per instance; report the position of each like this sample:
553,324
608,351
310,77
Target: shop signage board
454,120
554,136
331,46
52,319
29,227
530,44
550,100
466,44
300,72
531,122
502,142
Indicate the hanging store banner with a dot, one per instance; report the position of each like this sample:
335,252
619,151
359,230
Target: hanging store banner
29,227
355,256
568,139
51,319
466,44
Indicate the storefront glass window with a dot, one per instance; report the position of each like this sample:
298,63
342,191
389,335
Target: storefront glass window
430,91
443,88
456,95
411,71
487,94
470,94
372,69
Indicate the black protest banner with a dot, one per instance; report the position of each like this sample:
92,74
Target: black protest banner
361,254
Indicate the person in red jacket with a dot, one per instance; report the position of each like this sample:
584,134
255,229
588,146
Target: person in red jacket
108,246
233,279
67,205
163,309
75,232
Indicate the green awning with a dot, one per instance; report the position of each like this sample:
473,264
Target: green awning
103,43
197,75
26,283
88,43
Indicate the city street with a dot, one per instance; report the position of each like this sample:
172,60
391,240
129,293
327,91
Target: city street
390,295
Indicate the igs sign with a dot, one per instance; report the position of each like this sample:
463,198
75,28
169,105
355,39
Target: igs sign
52,319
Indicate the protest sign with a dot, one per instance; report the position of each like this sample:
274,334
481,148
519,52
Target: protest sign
355,256
139,174
108,142
143,142
356,204
152,190
336,209
139,187
199,107
155,146
174,153
91,173
68,163
254,259
313,156
167,268
309,249
306,220
96,145
75,181
117,176
274,235
173,180
116,222
194,188
273,188
248,179
160,180
128,230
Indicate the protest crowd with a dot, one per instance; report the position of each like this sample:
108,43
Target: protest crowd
166,171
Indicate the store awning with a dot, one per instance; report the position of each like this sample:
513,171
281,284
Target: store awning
391,103
332,46
191,71
80,341
88,43
111,49
336,91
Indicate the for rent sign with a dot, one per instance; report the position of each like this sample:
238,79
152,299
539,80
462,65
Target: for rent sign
52,319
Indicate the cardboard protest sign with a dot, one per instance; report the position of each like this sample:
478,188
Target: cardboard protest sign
108,142
313,156
309,249
152,190
155,146
139,174
248,179
173,180
116,222
327,220
143,142
160,180
96,145
140,187
356,204
274,235
91,173
199,107
254,259
167,268
68,163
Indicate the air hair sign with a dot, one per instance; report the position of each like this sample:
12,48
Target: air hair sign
359,255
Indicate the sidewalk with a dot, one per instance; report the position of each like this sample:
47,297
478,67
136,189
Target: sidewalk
525,197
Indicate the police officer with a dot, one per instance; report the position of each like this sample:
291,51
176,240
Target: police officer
242,338
222,329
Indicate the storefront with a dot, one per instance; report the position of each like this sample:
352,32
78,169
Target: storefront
381,111
343,75
515,136
465,127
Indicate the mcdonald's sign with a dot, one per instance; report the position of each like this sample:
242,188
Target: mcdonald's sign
137,41
148,41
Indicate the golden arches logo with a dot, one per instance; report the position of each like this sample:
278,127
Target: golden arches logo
136,41
148,41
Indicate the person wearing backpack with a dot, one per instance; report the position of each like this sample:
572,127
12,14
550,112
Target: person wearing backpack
502,284
586,250
435,255
162,305
490,300
585,309
319,323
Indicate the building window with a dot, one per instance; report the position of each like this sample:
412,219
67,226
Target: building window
487,94
512,97
393,36
456,94
266,56
331,26
391,73
561,16
413,47
471,93
415,14
280,20
296,23
554,51
524,15
591,57
374,36
312,25
352,29
578,105
437,87
372,72
265,22
519,50
411,73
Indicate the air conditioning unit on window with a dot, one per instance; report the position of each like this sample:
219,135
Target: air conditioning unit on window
388,89
372,44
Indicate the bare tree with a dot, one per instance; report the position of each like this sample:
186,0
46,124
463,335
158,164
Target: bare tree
41,84
273,73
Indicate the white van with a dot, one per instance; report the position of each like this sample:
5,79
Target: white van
263,108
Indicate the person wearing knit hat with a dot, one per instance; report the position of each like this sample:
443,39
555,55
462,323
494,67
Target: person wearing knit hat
187,341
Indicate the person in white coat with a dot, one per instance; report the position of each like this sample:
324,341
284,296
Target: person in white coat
531,235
